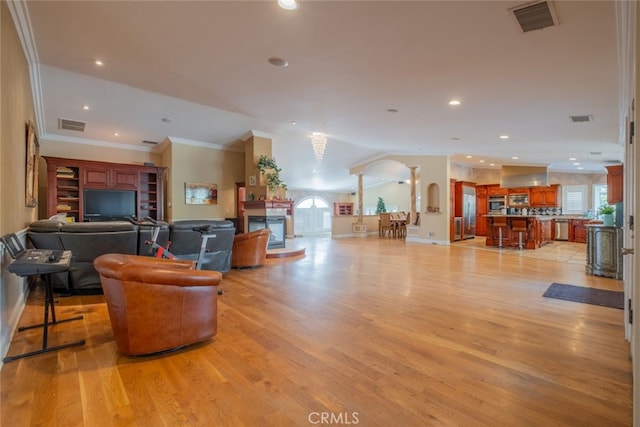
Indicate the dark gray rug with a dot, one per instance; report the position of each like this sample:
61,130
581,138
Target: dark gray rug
613,299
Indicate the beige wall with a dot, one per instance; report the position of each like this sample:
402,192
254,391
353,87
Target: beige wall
396,197
198,164
16,109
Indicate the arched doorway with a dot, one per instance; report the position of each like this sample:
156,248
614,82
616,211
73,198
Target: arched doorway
312,217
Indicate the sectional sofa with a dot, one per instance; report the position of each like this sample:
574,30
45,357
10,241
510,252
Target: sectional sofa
88,240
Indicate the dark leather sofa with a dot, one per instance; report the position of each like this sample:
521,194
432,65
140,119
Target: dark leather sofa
88,240
185,242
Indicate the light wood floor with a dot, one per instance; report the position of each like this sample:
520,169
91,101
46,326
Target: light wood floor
374,331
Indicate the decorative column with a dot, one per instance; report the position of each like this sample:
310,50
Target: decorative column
359,228
360,199
412,206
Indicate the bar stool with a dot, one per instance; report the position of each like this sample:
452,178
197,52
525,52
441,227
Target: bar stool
499,222
519,226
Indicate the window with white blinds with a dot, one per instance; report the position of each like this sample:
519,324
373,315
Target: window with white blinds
574,199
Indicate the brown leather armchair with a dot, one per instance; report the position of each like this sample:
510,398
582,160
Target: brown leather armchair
157,304
250,249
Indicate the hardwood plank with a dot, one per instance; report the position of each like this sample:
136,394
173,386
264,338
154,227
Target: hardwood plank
384,331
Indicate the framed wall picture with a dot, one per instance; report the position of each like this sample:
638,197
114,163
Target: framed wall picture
197,193
33,152
252,180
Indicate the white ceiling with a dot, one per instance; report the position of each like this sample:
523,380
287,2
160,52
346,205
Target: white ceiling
204,65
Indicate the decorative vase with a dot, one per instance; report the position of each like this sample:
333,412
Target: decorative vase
607,220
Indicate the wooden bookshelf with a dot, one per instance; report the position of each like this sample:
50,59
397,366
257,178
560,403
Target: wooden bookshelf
68,178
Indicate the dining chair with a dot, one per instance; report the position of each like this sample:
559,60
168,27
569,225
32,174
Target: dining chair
385,225
402,226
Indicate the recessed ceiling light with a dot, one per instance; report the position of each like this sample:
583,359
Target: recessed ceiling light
576,164
580,167
514,158
288,4
98,62
481,161
454,102
504,136
278,62
293,122
469,157
116,134
492,164
85,107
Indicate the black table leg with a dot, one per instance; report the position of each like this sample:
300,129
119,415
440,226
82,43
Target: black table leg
48,303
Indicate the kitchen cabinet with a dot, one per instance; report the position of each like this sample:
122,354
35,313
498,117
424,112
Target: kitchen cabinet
342,209
465,207
614,184
604,251
68,178
545,231
519,190
481,210
578,230
544,196
452,208
496,190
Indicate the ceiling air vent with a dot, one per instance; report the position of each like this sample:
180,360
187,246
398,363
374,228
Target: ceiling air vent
71,125
581,119
146,141
535,16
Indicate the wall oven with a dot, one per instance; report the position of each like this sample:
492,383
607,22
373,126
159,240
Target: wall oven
496,204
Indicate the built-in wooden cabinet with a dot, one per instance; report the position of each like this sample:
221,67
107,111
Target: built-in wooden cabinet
104,176
496,190
452,207
578,230
465,197
482,207
544,196
614,184
342,209
68,178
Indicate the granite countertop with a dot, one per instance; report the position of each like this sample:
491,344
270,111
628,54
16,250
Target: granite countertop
538,216
543,217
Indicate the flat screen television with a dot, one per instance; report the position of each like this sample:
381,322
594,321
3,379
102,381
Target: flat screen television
109,205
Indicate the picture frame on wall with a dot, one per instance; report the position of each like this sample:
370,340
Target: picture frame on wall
198,193
31,179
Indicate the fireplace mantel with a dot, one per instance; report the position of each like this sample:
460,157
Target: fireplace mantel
269,204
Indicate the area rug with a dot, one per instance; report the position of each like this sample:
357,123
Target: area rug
613,299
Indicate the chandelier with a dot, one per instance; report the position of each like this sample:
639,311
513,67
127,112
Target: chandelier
318,142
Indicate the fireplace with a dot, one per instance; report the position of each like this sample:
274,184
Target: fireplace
275,223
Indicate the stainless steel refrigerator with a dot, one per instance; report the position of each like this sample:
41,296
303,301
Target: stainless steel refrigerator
468,212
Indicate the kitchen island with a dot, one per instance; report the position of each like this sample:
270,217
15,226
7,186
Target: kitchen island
538,231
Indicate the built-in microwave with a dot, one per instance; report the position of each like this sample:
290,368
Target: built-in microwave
518,200
497,203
